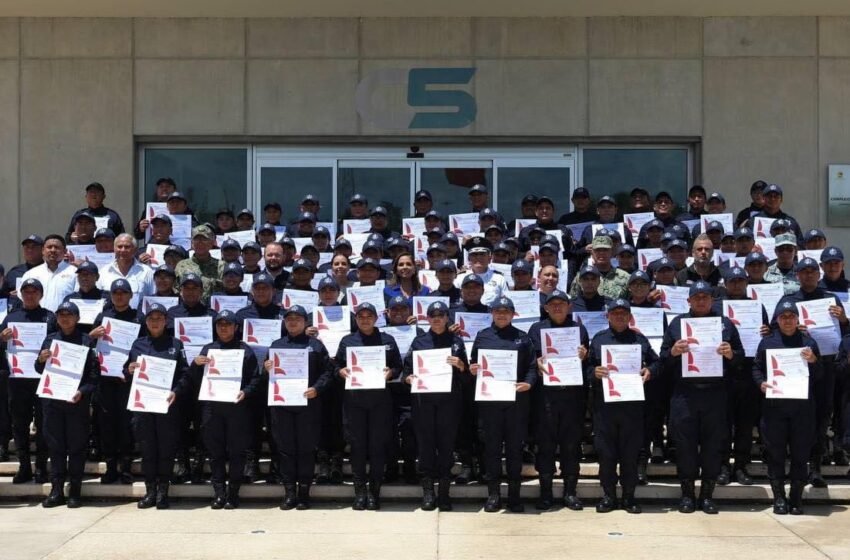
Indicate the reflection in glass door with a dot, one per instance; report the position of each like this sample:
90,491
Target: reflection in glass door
383,183
450,181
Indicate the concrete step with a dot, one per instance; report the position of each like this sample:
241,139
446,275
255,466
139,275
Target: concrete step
667,490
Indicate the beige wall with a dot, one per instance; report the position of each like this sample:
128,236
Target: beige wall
767,96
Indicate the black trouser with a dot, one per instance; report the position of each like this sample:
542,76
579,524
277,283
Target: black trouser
295,430
656,407
436,418
159,437
743,413
823,393
560,424
66,429
698,425
25,407
116,435
226,433
5,414
618,429
190,418
332,440
503,422
403,439
839,415
469,443
257,417
788,423
368,420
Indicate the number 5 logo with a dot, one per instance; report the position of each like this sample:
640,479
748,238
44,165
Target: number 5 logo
378,101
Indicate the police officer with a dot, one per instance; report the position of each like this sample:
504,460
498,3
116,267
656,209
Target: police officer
368,412
582,208
618,427
95,195
87,275
505,422
787,423
116,438
587,297
832,262
703,268
698,419
296,429
158,434
165,186
226,426
24,406
559,409
436,416
613,281
66,428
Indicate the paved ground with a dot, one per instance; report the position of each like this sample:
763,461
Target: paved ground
260,531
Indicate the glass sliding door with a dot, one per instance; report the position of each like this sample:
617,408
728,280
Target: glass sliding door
383,183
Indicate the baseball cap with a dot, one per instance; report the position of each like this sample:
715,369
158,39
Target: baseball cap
755,258
446,264
619,303
296,310
522,265
88,266
232,268
95,187
786,307
230,244
502,303
478,189
437,308
601,242
262,278
735,273
37,239
252,246
744,233
558,294
786,239
203,231
307,217
813,234
68,307
302,264
423,194
471,279
581,192
773,189
807,263
226,315
588,270
368,262
32,283
700,287
104,232
639,276
165,269
831,254
366,306
161,218
176,195
274,205
358,198
398,300
156,308
328,282
191,278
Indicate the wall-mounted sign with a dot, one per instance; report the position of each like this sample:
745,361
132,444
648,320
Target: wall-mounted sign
838,208
417,98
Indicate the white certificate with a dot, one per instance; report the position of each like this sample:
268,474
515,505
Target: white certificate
4,309
81,252
726,220
357,241
111,359
101,259
787,374
241,237
63,371
27,336
152,210
521,223
561,371
89,309
496,379
413,226
261,332
58,385
289,377
578,229
420,307
403,336
166,301
624,382
305,298
761,226
471,323
637,220
287,392
331,340
356,226
746,315
767,294
193,331
766,246
618,227
648,256
332,318
222,378
674,298
22,363
526,304
368,294
229,303
648,321
151,385
181,226
560,342
593,321
365,367
822,326
156,254
119,334
704,335
330,226
431,372
464,224
622,387
428,279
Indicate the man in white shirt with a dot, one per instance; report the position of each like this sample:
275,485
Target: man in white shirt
56,276
127,267
479,251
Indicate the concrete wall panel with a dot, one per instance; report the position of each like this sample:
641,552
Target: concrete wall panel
189,96
189,37
76,37
834,36
76,128
760,36
530,37
645,97
9,237
415,37
833,134
303,38
9,37
633,37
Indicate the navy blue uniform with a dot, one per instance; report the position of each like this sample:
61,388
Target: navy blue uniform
66,424
296,429
596,303
436,416
841,400
94,294
114,223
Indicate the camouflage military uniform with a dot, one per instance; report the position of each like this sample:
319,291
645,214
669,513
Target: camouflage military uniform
210,272
788,279
612,284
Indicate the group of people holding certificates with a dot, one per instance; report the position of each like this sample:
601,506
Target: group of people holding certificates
437,347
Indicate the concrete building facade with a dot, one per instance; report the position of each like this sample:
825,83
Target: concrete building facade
748,97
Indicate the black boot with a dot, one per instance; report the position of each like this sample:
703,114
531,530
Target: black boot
742,476
40,475
289,498
642,479
687,503
444,500
56,496
273,476
571,500
429,500
149,499
815,477
162,495
303,496
219,497
359,495
706,500
545,501
494,497
180,473
629,502
373,500
125,470
75,490
111,475
251,472
323,468
232,495
723,477
24,473
336,469
795,497
780,505
608,502
514,500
